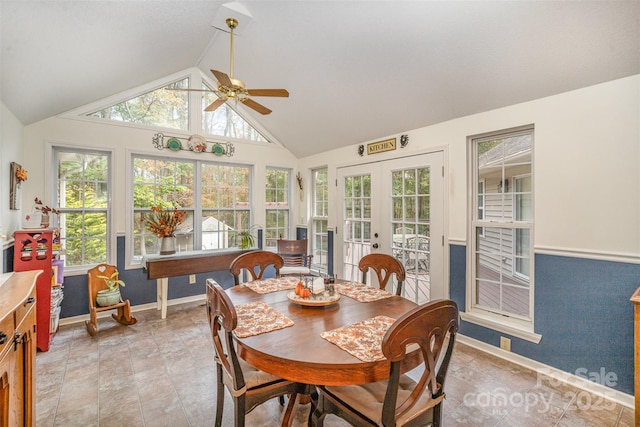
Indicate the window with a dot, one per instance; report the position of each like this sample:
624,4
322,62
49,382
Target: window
225,121
164,107
83,194
320,220
502,227
481,205
277,186
215,196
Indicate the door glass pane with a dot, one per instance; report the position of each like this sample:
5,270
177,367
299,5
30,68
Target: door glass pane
411,230
357,223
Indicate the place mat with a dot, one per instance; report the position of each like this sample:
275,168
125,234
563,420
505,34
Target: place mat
361,292
264,286
257,318
363,339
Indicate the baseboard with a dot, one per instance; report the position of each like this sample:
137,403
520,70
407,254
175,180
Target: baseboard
134,308
608,393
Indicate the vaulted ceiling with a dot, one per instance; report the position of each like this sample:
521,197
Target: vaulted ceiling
356,70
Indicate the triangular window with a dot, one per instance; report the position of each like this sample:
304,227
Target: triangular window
225,121
160,107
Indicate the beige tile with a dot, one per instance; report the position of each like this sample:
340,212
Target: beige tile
161,372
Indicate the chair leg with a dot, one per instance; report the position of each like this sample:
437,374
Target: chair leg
239,410
219,396
287,419
437,415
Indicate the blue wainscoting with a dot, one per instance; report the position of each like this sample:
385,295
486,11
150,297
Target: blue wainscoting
582,310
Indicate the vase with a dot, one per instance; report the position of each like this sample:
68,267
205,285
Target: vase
44,221
107,297
167,245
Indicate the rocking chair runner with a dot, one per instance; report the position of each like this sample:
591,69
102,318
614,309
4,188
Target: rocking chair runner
96,284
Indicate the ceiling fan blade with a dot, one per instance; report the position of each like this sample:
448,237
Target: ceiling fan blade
268,92
215,104
223,78
253,104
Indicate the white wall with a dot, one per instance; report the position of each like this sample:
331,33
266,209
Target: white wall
11,134
586,167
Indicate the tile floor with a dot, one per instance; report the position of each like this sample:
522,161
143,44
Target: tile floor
161,373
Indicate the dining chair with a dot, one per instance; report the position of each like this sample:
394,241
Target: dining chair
384,266
296,260
248,386
418,252
401,401
255,262
404,230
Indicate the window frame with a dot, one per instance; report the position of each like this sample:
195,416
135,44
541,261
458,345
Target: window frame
110,241
132,260
315,219
286,208
510,323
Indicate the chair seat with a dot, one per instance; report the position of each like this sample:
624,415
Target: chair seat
368,399
255,378
294,270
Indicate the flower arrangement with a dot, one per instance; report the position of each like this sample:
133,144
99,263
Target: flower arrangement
21,174
46,210
163,222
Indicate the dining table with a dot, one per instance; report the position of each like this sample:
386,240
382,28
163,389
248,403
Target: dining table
302,351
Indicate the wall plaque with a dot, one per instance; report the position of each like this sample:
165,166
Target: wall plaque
381,146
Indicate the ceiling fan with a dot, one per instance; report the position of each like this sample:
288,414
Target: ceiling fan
231,88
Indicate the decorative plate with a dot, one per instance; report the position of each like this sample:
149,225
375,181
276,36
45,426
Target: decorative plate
218,149
317,301
174,144
197,143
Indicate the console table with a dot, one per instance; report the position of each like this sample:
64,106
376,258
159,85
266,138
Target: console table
161,267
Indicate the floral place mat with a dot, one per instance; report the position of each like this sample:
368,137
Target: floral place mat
361,292
264,286
257,318
363,339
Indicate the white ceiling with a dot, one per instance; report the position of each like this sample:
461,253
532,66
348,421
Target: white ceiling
356,70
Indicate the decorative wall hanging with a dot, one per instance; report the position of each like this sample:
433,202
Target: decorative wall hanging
404,140
18,176
381,146
300,185
195,143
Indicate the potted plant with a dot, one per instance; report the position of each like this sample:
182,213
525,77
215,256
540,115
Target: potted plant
163,223
245,238
111,296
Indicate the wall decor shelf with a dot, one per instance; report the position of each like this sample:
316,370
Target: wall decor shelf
195,143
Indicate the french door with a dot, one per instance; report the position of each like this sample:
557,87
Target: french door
395,207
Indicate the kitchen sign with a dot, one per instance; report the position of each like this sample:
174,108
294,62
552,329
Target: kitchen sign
381,146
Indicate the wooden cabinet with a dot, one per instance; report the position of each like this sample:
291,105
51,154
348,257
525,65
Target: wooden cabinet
17,349
34,250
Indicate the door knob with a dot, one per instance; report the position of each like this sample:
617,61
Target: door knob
375,246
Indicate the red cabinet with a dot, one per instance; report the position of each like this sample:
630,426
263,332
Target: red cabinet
34,250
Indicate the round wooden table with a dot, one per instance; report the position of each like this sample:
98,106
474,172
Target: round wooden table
299,353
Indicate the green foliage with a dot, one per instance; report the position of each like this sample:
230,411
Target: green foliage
112,282
160,107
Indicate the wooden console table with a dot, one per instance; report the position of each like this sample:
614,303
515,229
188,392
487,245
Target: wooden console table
635,299
161,267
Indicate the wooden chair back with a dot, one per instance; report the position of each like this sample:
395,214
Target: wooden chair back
384,266
223,319
255,262
433,328
294,252
96,283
